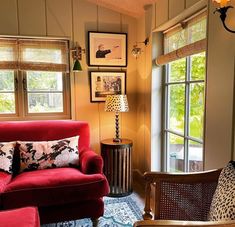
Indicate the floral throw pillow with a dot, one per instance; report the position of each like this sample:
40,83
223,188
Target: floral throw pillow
223,202
6,156
48,154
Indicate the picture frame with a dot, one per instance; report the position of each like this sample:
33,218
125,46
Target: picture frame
106,83
107,49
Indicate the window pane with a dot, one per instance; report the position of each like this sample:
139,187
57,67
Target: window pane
45,102
196,113
7,103
44,81
198,66
176,107
177,70
6,53
6,80
195,155
175,41
175,146
197,31
42,55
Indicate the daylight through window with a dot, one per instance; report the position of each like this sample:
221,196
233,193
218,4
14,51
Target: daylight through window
184,85
33,78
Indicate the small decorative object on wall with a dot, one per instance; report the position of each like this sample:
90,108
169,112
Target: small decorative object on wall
107,83
107,49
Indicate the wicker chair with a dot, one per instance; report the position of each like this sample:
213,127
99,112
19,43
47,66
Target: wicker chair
180,196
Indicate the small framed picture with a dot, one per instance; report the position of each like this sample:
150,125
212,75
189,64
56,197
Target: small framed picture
106,83
107,49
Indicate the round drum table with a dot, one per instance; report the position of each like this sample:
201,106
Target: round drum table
117,166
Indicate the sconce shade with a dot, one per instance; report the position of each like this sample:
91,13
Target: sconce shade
116,103
77,66
136,51
222,3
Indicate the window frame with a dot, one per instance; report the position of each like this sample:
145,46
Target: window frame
166,131
21,105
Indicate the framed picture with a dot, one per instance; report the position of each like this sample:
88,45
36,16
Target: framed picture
106,83
107,49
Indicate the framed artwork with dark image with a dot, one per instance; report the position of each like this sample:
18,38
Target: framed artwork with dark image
107,49
106,83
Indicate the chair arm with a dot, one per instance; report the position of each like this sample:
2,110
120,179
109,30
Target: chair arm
90,162
166,223
205,176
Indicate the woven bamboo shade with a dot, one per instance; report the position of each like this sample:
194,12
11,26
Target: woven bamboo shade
182,52
8,56
32,54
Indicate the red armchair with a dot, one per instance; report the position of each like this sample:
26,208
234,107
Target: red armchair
60,193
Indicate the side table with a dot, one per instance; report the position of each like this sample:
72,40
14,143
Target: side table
117,166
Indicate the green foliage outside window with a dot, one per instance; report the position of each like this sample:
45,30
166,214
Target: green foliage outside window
177,97
7,100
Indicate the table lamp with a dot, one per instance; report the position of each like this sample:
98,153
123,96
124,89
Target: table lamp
117,104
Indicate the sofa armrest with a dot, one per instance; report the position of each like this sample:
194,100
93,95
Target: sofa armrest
90,162
5,178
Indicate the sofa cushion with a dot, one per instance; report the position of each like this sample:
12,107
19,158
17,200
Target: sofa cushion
6,156
48,154
23,217
223,202
53,186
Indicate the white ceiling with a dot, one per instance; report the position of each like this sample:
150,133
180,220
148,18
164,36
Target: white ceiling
134,8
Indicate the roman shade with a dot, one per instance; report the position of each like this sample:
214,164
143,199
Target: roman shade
32,54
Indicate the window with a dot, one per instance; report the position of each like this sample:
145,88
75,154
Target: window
33,79
184,95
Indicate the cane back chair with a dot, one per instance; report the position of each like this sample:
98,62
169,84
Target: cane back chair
180,196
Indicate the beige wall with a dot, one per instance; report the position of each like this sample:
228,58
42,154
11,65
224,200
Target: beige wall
219,93
72,19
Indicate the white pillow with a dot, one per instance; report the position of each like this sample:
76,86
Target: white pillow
223,202
48,154
6,156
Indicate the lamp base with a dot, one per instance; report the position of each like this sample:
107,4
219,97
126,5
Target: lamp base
117,140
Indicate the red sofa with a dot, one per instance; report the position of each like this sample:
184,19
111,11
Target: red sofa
22,217
59,193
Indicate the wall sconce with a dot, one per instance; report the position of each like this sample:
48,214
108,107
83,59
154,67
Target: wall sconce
136,51
77,56
223,12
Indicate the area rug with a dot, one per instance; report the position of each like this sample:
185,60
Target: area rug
118,212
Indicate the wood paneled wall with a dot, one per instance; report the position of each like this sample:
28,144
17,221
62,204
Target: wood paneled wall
72,19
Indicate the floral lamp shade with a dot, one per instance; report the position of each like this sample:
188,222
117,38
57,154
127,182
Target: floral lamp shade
116,103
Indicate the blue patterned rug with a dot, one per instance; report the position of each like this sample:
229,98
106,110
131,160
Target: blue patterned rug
118,212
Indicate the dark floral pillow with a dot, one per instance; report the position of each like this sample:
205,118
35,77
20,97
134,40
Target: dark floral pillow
48,154
6,156
223,202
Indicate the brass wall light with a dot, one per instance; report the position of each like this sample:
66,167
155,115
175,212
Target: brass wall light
77,56
136,51
223,12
